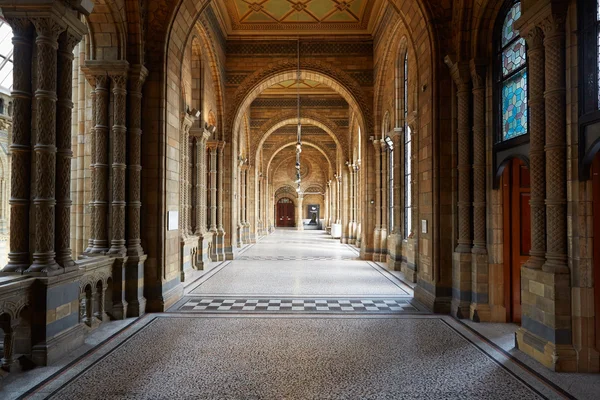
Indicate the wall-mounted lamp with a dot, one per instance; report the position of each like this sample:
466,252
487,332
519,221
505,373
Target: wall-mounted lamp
194,113
372,201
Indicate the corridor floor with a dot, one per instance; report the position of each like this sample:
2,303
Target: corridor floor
296,316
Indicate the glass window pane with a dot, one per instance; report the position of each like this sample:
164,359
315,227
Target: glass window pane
508,29
514,106
598,11
513,57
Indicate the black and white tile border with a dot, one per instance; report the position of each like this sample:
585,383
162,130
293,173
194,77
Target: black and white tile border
299,305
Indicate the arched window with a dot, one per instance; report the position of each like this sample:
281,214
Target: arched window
511,77
407,157
589,30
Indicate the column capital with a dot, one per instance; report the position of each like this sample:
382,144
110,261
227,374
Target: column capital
137,76
549,15
478,68
459,70
186,122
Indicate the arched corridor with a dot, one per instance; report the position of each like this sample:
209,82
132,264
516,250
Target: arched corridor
429,165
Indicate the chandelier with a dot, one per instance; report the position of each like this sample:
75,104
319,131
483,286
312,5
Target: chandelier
299,134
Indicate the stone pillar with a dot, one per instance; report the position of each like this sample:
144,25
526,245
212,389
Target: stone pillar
397,135
134,274
479,309
338,197
64,113
92,165
212,148
244,202
384,200
546,331
8,344
119,164
461,271
20,148
44,199
202,189
101,167
377,231
220,228
537,141
351,205
556,185
186,124
299,219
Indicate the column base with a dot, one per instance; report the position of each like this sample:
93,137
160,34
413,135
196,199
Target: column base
438,304
219,246
52,350
134,289
559,358
119,288
461,285
480,310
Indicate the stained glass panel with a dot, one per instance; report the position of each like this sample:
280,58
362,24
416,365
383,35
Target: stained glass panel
508,29
514,106
513,57
598,11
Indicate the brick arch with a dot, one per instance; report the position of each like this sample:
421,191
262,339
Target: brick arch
320,72
313,115
307,143
291,121
399,42
204,41
107,25
135,37
482,35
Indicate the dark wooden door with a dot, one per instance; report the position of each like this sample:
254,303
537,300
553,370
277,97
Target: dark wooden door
517,233
286,213
596,255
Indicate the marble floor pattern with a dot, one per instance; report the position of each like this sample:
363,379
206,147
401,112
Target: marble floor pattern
295,316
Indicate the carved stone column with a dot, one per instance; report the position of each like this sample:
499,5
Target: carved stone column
537,141
479,309
212,148
119,164
384,199
299,219
64,155
8,344
397,135
92,166
44,200
101,167
461,271
338,206
377,231
556,185
138,76
134,271
351,222
20,148
186,124
201,167
220,228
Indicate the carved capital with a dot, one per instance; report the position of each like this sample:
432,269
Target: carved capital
459,70
20,26
119,81
534,38
48,28
478,70
553,25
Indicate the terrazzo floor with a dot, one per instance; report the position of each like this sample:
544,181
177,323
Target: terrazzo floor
296,316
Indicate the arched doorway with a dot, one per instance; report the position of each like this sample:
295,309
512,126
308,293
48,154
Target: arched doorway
286,213
516,193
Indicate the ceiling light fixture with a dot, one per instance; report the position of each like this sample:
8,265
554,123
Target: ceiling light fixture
299,138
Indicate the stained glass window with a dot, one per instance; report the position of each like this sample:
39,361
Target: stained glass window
512,77
407,157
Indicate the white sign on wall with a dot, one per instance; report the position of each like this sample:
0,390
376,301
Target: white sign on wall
173,223
423,226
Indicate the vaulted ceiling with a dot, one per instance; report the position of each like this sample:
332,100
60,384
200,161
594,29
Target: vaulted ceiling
292,17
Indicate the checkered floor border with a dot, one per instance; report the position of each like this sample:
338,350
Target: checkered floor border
294,305
292,258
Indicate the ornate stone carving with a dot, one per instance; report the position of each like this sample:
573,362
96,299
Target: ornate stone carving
478,72
20,148
537,140
119,148
44,200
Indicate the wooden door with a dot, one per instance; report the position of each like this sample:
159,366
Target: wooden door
596,255
517,233
285,213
